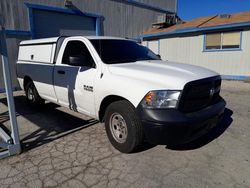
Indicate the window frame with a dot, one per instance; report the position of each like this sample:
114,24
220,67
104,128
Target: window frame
222,49
76,40
109,61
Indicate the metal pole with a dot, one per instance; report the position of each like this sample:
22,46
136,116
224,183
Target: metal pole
9,94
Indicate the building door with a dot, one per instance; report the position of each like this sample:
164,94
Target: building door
154,46
48,23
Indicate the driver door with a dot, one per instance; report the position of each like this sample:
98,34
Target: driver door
74,78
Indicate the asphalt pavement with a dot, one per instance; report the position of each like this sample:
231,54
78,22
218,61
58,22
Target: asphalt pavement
65,149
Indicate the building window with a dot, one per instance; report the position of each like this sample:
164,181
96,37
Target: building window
223,41
213,41
231,40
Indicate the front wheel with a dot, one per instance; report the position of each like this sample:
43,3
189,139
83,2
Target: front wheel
123,126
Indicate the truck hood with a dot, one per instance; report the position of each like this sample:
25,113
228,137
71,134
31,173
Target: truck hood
161,74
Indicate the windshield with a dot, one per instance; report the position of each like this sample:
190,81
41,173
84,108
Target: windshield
114,51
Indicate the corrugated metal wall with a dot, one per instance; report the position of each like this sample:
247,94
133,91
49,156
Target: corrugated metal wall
190,50
12,46
121,19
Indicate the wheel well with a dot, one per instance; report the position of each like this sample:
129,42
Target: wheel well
26,79
105,103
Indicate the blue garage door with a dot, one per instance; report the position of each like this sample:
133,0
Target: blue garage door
52,24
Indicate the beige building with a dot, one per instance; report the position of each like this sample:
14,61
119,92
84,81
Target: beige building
220,43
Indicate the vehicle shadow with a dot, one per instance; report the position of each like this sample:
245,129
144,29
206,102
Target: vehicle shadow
214,133
52,123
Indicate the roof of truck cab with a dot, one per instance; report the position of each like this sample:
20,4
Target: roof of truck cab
102,37
55,39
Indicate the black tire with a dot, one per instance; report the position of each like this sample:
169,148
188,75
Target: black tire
126,112
35,99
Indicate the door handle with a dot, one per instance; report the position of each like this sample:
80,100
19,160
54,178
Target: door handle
61,72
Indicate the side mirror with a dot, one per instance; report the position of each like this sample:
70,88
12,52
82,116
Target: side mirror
80,60
77,60
158,55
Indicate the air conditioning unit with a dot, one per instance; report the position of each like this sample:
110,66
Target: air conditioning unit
161,19
167,20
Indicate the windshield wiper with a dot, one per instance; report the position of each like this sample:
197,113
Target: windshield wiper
122,61
144,59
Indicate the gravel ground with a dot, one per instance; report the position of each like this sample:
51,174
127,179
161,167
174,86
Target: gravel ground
65,149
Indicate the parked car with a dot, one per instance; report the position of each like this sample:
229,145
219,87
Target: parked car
125,85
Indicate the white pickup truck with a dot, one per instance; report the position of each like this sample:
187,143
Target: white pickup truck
124,84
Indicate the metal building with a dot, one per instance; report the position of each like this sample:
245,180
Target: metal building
220,43
26,19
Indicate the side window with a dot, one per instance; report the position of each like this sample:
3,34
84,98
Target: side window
77,54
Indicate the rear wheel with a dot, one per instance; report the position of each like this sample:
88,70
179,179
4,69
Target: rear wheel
123,126
32,96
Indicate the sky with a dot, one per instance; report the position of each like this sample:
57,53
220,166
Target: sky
190,9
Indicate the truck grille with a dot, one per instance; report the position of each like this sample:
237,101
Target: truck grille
200,94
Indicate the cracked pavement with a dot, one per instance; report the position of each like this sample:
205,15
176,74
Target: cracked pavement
65,149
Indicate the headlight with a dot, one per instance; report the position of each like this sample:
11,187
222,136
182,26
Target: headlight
161,99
